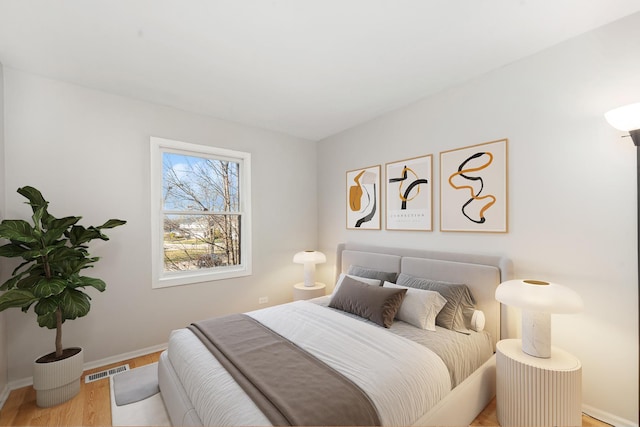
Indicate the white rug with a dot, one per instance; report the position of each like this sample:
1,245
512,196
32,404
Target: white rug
147,412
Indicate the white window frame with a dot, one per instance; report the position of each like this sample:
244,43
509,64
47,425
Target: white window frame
162,279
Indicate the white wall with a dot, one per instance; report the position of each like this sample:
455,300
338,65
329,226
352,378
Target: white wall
88,152
572,190
3,337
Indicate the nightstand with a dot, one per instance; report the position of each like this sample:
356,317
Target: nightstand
300,291
534,391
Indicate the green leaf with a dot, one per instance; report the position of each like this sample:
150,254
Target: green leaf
62,261
16,298
37,216
11,283
28,282
93,282
49,287
52,235
18,230
74,304
79,235
12,250
35,269
99,234
112,223
32,255
56,228
65,222
47,320
64,253
46,306
35,197
18,268
73,266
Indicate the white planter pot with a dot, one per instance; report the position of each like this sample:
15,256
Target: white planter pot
56,382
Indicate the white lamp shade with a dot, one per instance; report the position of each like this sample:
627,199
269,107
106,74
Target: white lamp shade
313,257
309,259
538,300
626,118
535,295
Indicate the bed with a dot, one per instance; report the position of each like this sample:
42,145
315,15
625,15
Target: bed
430,390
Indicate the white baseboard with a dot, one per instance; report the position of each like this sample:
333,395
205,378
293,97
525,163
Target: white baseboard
4,395
24,382
125,356
606,417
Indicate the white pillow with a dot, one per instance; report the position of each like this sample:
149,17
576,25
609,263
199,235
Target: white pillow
372,282
477,320
419,307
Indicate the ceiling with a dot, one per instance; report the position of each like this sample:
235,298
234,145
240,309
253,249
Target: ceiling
308,68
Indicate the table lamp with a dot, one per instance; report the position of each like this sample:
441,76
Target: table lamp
309,259
538,300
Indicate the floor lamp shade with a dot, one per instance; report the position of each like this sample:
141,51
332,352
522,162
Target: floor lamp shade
309,259
626,118
538,300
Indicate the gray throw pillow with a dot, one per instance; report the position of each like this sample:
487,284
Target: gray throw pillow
369,273
460,301
374,303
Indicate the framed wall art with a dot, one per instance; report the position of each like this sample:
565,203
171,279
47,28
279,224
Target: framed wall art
363,198
473,188
409,195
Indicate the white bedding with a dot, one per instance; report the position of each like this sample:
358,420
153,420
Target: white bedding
403,379
461,353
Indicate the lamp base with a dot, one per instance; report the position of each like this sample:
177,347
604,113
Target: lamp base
309,274
536,333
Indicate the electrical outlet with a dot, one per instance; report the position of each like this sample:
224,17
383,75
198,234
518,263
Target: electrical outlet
263,300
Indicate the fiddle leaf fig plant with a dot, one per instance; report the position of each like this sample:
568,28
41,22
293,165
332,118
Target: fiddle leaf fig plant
54,253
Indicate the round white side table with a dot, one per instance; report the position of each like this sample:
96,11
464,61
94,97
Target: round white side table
533,391
300,291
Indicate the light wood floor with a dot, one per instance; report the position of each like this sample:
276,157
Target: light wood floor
488,418
92,406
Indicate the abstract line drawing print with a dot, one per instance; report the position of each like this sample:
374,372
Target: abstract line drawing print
409,194
473,188
363,194
487,200
406,195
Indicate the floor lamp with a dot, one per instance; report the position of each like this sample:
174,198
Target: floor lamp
627,119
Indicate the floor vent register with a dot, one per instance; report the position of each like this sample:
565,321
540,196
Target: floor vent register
105,374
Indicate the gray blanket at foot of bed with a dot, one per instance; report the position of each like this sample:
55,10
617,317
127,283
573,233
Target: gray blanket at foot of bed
290,386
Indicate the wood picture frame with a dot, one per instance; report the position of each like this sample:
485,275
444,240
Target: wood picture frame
474,188
409,194
363,198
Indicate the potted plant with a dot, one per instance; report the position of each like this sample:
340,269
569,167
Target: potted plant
54,253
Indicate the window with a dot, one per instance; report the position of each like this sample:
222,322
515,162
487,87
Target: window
200,213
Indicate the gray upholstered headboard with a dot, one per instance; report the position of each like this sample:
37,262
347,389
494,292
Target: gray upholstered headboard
481,273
